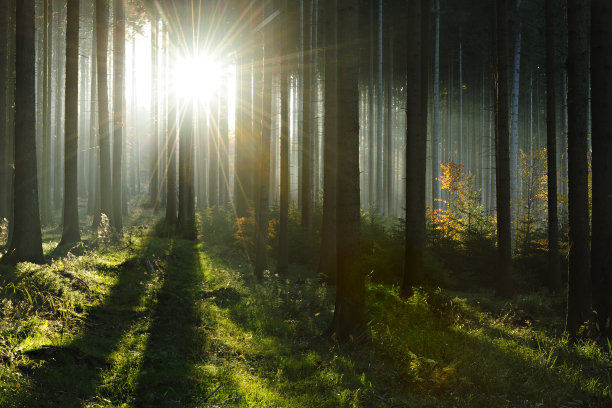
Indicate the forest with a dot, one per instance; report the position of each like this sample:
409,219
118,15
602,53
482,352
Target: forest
305,203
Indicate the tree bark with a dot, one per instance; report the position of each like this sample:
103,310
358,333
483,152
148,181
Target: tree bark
328,261
504,254
103,115
70,232
4,75
553,277
306,168
118,111
601,99
349,314
579,276
26,240
416,145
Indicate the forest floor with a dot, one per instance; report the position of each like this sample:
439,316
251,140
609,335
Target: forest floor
158,322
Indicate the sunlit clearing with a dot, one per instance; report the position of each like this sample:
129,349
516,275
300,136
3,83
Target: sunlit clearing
198,78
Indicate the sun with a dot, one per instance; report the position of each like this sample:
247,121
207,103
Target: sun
198,78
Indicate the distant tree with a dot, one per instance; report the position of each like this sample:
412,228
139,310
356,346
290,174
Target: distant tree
26,240
71,231
154,180
579,276
307,127
601,102
4,64
171,146
118,110
553,277
328,260
286,37
103,115
502,155
349,313
262,178
416,147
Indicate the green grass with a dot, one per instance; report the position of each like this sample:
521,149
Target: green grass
156,322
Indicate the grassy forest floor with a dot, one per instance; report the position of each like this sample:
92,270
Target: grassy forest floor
158,322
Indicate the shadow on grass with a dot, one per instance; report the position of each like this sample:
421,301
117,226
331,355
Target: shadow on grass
413,358
68,375
174,341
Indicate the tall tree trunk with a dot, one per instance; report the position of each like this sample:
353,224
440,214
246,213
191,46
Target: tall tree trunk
286,37
94,148
118,110
4,80
504,254
103,115
436,144
579,277
45,200
154,182
26,240
213,154
553,277
349,313
263,152
171,146
307,136
59,87
70,232
601,88
328,261
514,128
416,144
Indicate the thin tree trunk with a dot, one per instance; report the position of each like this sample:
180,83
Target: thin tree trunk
502,154
307,136
70,232
553,278
579,276
436,145
118,111
154,182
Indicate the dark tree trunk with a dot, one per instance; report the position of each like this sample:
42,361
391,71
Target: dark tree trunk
579,277
171,149
502,154
26,240
71,231
4,74
349,314
306,168
286,36
416,145
118,111
601,101
328,261
103,115
45,200
553,278
263,153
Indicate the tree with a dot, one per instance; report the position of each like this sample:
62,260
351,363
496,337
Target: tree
553,277
171,148
579,277
286,38
45,200
118,110
328,261
502,157
26,240
349,313
436,143
601,102
4,64
416,147
103,115
262,179
307,114
154,181
71,231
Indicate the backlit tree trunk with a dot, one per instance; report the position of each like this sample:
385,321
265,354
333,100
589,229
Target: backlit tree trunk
26,240
71,231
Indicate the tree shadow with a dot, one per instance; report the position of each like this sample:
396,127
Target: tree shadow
67,375
176,338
